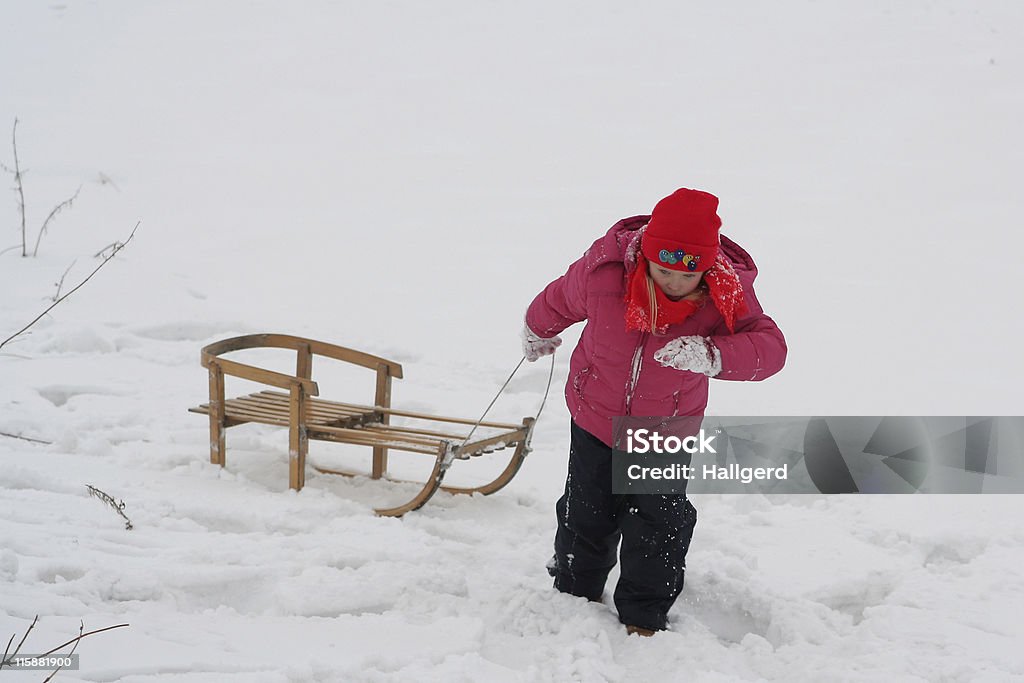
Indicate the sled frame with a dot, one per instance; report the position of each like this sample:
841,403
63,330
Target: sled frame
309,417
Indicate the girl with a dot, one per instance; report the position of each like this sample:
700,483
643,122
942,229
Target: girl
669,303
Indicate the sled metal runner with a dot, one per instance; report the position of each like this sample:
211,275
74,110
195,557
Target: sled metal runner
308,417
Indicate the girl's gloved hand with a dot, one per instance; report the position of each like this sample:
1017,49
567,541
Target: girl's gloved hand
535,347
695,354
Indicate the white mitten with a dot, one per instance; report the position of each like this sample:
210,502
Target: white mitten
696,354
535,347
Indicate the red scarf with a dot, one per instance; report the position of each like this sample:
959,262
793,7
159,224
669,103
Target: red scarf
643,296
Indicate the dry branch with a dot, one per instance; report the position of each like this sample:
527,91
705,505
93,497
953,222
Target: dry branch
103,251
109,500
83,635
118,246
9,660
76,641
18,186
60,285
57,209
24,438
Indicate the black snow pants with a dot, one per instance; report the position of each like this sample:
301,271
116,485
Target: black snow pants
654,530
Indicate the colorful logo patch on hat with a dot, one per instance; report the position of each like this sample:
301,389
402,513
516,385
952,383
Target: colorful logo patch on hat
679,256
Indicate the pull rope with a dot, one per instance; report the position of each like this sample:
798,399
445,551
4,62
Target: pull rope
551,374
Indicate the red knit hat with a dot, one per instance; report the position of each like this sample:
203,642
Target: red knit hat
683,231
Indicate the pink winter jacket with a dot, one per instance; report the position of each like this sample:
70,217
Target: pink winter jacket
612,371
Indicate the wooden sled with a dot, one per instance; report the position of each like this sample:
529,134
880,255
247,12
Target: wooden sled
308,417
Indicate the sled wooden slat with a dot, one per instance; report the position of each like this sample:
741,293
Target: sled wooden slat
363,438
309,417
380,436
443,435
422,416
257,404
318,406
242,417
318,410
253,409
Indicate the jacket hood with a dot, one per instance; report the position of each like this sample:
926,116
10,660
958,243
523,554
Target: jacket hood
622,243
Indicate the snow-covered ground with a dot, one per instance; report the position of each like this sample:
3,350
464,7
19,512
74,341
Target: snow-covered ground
402,178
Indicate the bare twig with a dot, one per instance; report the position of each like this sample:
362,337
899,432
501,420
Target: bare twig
57,209
60,284
76,641
19,187
10,249
7,660
8,649
103,251
118,247
83,635
24,438
109,500
81,628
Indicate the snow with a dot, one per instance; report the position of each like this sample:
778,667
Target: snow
402,178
